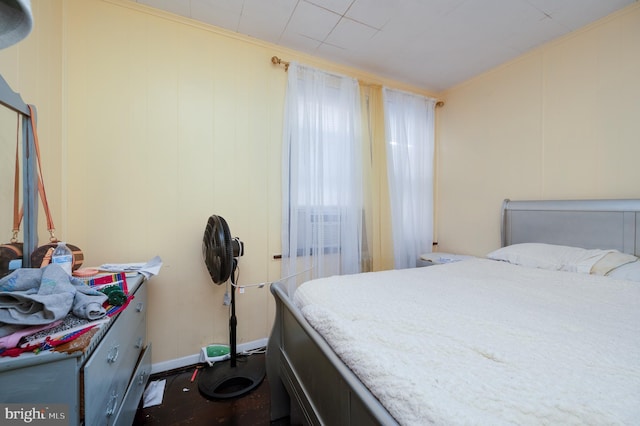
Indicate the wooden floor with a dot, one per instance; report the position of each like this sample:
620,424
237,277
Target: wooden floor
182,404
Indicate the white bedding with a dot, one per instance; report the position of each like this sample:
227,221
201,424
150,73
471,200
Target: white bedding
486,342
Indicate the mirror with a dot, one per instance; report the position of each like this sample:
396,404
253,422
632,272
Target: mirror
15,123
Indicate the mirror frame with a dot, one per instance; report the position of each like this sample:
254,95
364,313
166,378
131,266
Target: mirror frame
14,102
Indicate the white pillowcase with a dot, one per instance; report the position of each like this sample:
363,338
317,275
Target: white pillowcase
550,256
611,263
629,271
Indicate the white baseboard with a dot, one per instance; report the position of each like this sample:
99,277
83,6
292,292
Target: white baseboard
188,360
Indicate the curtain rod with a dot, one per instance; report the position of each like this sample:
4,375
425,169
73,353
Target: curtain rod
277,61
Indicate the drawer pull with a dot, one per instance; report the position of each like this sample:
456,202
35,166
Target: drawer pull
111,407
142,379
112,356
139,307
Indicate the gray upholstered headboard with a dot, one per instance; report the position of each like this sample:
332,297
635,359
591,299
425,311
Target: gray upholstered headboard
604,224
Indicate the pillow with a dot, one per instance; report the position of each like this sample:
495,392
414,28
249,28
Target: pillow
612,261
628,271
550,256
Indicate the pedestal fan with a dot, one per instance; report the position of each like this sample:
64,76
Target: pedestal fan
234,377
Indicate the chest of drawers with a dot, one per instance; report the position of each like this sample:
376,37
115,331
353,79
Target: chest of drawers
100,386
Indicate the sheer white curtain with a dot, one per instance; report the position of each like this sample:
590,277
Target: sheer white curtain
409,132
321,176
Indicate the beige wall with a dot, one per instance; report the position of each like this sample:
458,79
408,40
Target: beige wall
560,122
157,122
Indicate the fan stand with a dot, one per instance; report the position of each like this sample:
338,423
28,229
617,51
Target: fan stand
231,379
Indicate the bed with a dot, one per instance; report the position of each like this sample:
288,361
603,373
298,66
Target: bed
545,331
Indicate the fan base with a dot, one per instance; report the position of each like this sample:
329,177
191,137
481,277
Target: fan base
221,381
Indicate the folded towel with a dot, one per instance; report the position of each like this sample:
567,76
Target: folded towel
611,261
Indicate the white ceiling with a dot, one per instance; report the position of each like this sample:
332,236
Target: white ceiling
430,44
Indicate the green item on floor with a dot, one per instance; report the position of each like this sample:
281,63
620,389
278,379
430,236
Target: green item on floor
217,350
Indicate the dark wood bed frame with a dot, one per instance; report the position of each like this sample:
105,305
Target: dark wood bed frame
310,384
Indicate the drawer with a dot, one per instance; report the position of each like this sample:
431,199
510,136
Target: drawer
46,383
136,388
107,373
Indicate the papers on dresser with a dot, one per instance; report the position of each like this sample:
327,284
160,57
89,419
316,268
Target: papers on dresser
149,269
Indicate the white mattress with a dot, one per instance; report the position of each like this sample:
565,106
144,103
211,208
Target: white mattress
486,342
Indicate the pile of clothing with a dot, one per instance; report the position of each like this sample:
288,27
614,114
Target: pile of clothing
44,308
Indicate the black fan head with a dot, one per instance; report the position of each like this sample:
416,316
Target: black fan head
217,249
